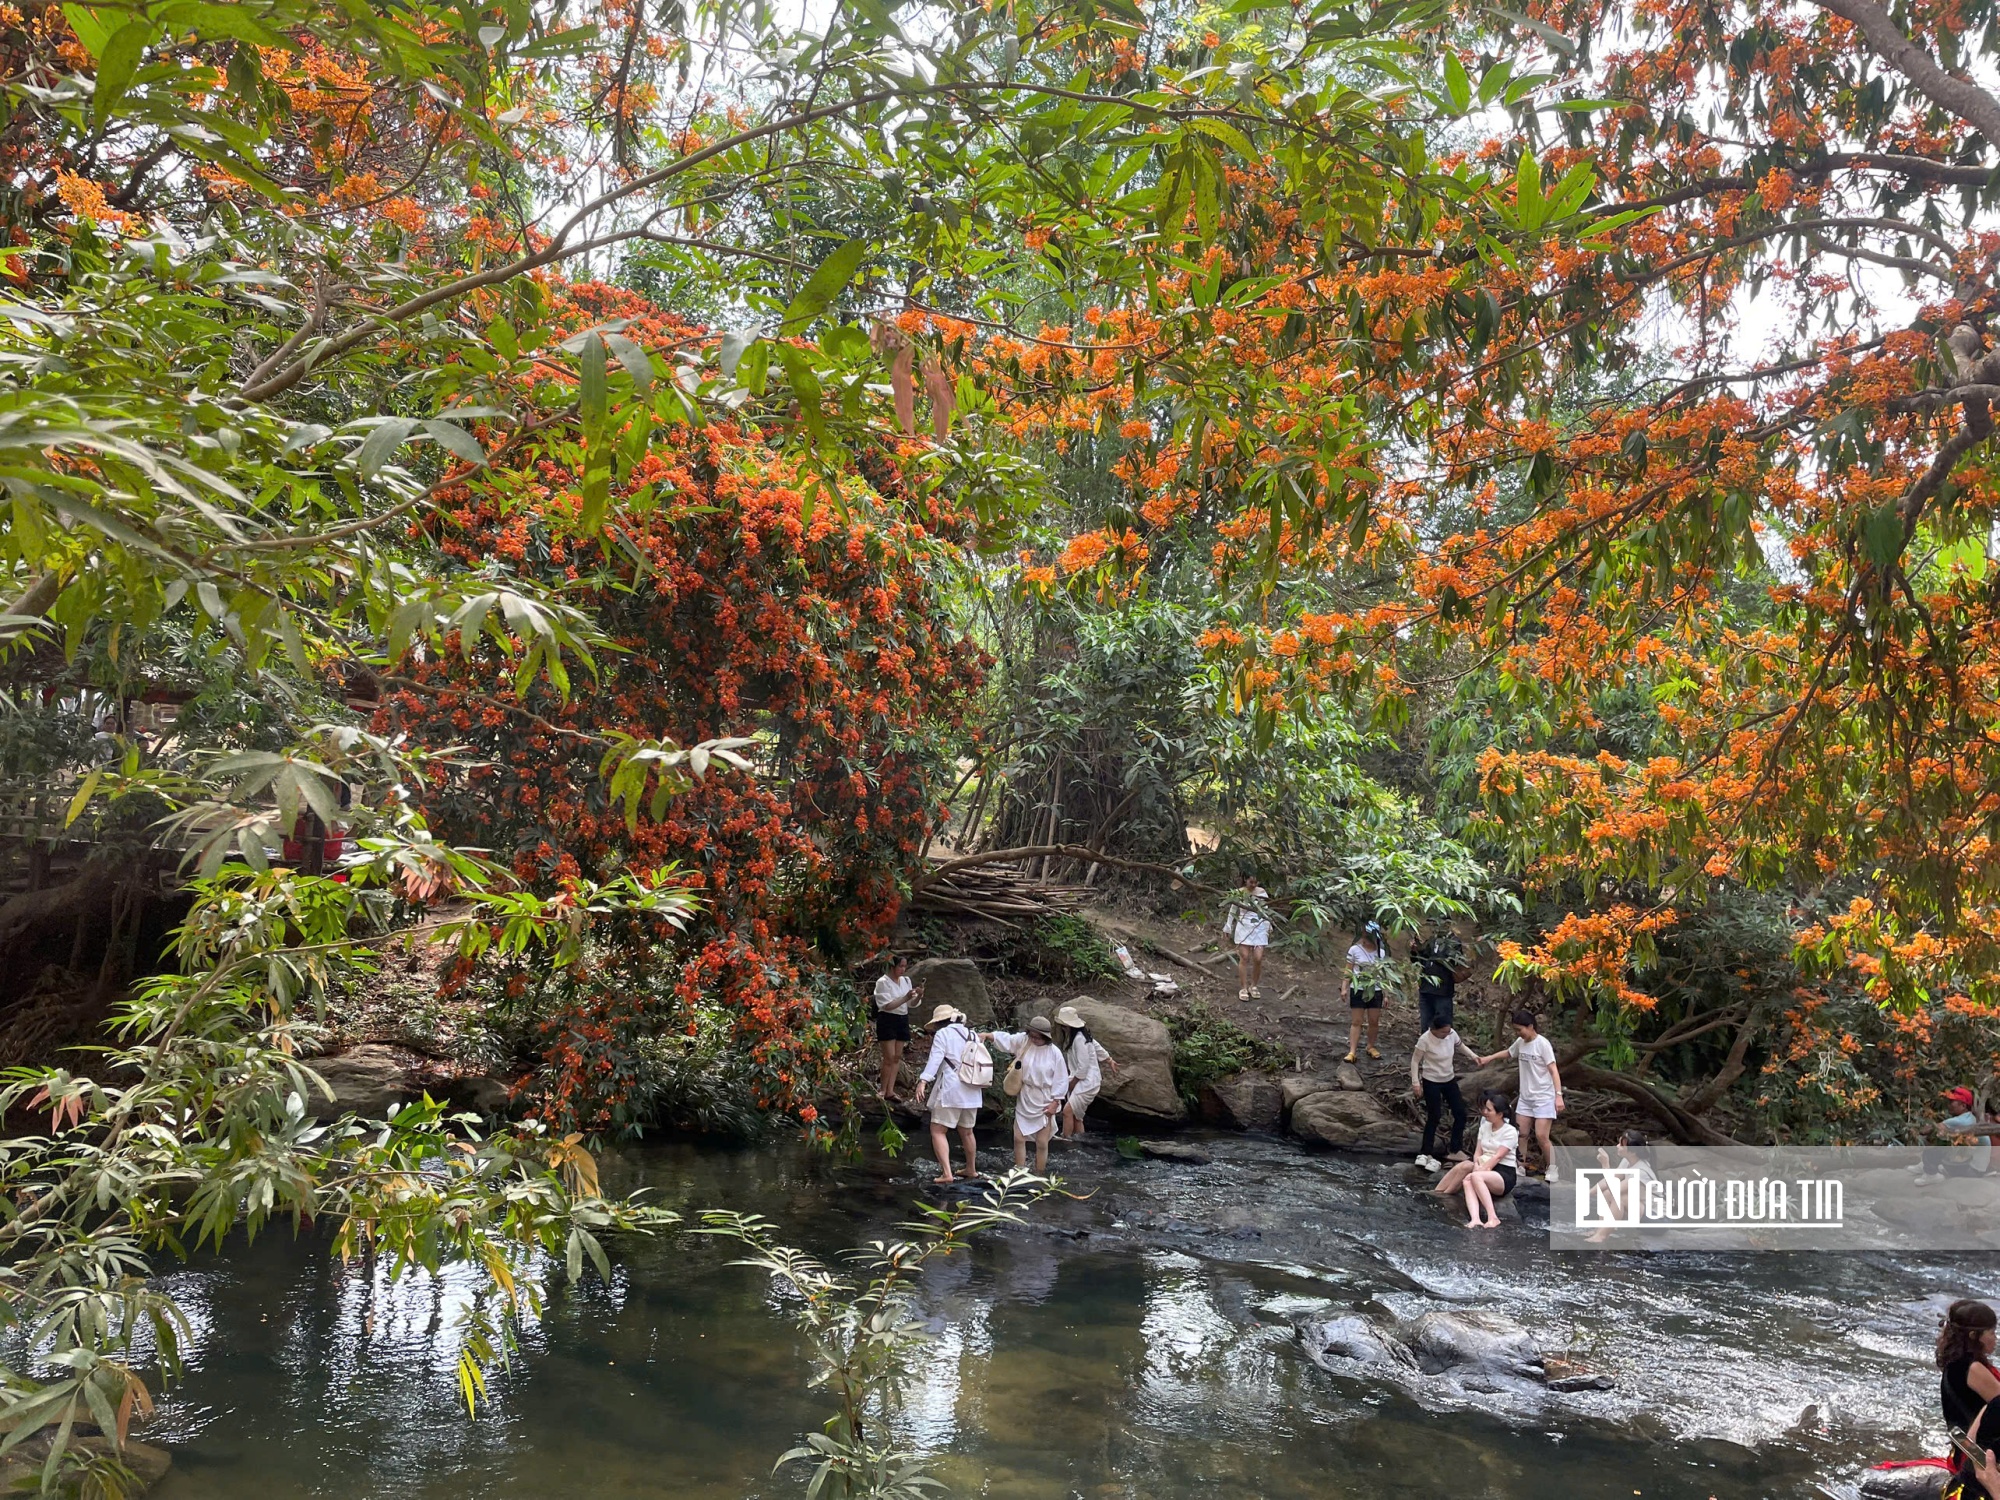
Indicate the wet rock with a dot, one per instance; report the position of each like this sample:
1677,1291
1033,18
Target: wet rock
1244,1101
1461,1341
365,1080
956,982
1338,1118
1569,1135
1141,1092
1923,1482
1347,1076
1174,1151
1353,1344
487,1094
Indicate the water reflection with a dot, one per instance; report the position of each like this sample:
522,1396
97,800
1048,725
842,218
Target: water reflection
1072,1359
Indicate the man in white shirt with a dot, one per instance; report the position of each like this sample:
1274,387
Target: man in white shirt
1434,1079
954,1103
1541,1085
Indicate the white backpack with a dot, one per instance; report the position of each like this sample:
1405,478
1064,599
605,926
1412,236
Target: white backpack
975,1063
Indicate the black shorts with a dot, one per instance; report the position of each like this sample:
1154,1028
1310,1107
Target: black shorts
1506,1178
1364,999
890,1028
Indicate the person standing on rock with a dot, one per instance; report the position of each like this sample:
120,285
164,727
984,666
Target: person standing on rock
956,1073
893,993
1044,1082
1441,962
1248,923
1541,1083
1434,1079
1086,1058
1364,989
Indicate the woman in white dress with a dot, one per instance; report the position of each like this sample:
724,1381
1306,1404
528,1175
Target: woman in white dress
1248,924
1087,1060
1044,1082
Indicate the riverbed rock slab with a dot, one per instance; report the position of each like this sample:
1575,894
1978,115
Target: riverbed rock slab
1141,1092
1174,1151
1244,1101
956,982
1347,1076
1924,1482
365,1081
1336,1117
1355,1344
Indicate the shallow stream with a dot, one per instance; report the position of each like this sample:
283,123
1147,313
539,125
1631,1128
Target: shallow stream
1135,1344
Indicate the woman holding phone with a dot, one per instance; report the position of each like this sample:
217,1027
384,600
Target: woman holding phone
1967,1382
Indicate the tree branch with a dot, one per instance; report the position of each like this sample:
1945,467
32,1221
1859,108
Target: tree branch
1954,95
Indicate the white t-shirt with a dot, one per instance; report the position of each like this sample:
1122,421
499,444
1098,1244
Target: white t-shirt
952,1092
1504,1138
1359,959
892,995
1435,1058
1249,925
1538,1069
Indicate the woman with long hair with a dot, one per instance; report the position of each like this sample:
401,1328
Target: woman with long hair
1491,1173
1966,1383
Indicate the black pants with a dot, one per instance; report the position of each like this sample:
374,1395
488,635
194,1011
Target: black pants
1436,1097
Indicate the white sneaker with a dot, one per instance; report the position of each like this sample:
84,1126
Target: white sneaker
1929,1179
1554,1173
1430,1163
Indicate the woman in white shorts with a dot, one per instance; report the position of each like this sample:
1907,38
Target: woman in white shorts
1086,1056
1249,927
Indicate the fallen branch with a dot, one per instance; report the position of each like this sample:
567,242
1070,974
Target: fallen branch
1045,851
1684,1126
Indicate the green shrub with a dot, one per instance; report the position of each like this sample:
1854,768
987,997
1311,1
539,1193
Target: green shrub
1209,1047
1062,948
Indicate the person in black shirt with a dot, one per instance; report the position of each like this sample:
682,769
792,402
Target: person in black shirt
1441,962
1966,1383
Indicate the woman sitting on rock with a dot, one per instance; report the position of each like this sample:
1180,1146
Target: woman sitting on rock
1489,1176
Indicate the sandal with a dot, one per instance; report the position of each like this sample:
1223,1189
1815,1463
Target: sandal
1242,994
1374,1054
1255,993
1348,1058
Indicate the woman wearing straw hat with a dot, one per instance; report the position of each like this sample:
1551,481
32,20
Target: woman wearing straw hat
1085,1055
1044,1081
961,1068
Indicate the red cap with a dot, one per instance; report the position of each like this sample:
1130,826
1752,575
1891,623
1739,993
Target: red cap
1960,1096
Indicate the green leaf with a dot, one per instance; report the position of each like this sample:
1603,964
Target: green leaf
594,394
637,362
1457,87
730,355
827,283
456,440
1882,535
381,445
117,65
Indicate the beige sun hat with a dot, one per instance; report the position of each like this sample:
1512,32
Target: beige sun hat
943,1015
1069,1016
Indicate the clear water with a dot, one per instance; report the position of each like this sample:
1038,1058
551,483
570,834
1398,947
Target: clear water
1129,1345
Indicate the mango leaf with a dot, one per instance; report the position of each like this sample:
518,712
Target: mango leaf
826,283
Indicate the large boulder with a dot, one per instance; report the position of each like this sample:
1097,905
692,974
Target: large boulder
1355,1344
1462,1341
1292,1087
1244,1101
956,982
1141,1092
1339,1118
365,1080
